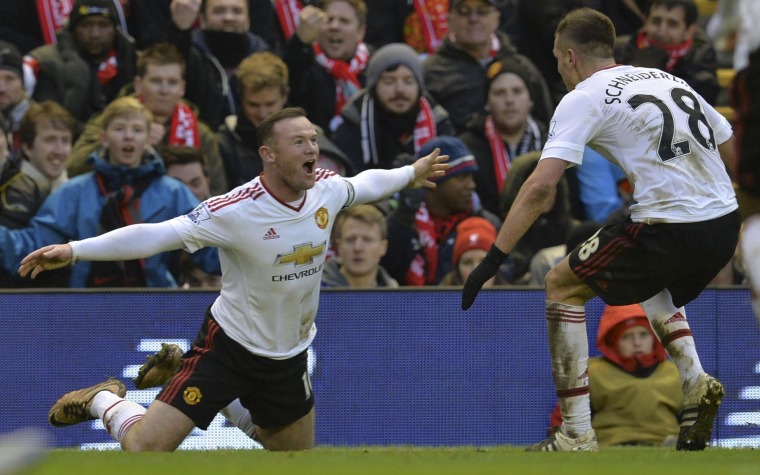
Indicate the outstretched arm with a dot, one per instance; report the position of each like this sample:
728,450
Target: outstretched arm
532,199
376,184
127,243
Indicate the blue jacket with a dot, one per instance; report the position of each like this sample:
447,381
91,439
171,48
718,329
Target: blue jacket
73,213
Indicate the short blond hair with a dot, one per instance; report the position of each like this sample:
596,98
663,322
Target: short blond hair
261,71
366,214
124,106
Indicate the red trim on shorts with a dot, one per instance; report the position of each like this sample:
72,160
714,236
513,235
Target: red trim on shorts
189,365
609,252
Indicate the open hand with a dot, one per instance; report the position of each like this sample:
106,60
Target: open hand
46,258
427,167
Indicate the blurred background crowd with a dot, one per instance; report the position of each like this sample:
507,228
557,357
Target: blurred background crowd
384,80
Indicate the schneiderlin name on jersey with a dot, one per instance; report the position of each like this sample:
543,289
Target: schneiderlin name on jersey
615,87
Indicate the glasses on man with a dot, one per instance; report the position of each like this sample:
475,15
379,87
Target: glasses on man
465,11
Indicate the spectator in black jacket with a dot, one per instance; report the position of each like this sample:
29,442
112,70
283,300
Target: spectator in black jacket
455,74
213,52
90,63
326,58
393,115
262,79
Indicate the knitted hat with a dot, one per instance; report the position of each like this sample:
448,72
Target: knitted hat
11,61
473,233
454,3
510,65
391,56
85,8
460,157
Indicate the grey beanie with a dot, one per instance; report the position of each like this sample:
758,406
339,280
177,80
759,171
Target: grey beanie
390,57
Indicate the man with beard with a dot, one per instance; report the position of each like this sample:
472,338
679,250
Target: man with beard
213,52
326,57
393,115
91,61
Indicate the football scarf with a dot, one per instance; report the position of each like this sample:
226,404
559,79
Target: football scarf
424,128
183,128
52,15
675,52
345,74
501,157
287,14
108,68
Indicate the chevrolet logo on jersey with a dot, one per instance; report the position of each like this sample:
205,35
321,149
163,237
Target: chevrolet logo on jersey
302,254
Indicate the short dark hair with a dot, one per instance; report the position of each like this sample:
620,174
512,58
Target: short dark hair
46,111
183,155
589,30
266,128
160,54
690,12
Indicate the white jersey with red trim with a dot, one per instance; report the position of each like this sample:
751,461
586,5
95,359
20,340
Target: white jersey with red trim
272,255
659,131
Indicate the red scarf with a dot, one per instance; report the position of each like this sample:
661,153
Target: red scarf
108,68
183,129
431,232
424,129
423,266
501,160
287,14
345,74
52,15
675,52
426,27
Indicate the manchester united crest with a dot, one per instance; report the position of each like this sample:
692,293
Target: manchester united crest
322,217
192,395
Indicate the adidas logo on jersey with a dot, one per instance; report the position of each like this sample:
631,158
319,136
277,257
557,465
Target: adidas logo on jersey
271,234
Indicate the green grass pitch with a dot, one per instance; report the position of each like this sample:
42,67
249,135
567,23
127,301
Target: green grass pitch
403,460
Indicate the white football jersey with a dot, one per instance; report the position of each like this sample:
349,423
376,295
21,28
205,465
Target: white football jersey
272,255
659,131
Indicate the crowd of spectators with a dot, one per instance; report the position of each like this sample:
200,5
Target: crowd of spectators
385,81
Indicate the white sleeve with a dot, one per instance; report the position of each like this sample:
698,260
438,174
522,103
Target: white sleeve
376,184
130,242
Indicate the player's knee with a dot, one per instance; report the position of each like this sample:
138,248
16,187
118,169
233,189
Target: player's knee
141,444
286,446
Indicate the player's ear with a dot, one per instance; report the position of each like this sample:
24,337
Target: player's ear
266,153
